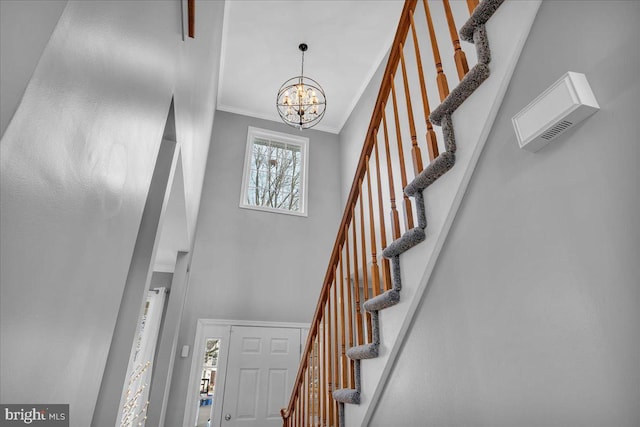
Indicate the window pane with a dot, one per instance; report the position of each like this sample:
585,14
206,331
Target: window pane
206,389
274,179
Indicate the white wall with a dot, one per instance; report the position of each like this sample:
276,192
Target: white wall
353,132
76,163
254,265
25,29
530,317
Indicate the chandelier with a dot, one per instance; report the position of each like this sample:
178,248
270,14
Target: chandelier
301,101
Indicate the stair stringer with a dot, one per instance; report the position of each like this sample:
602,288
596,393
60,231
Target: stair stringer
507,31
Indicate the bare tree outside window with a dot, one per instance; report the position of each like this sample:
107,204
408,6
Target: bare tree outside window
275,172
274,179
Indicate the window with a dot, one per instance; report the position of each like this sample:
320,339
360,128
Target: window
275,172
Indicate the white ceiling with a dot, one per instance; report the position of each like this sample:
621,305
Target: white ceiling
347,41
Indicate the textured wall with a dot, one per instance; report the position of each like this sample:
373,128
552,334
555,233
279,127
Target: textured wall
76,163
254,265
531,316
25,29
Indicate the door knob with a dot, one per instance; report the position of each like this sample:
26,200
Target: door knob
227,417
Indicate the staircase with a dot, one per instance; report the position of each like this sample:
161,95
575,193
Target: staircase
367,301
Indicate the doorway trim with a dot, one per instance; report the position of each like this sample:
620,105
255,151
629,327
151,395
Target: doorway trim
222,328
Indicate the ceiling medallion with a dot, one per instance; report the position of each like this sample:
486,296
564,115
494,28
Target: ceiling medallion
301,101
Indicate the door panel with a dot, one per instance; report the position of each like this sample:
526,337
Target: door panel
262,366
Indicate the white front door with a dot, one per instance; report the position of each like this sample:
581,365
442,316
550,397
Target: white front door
262,367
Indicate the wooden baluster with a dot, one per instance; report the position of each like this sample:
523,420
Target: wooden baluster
336,358
314,388
344,366
408,211
416,155
329,362
299,419
458,54
472,4
303,400
298,422
312,374
386,271
310,389
294,412
395,219
375,272
320,372
321,382
365,273
352,380
441,79
305,396
356,281
432,143
315,383
325,381
309,392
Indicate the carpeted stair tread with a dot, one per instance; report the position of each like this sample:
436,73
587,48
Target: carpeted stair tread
382,301
366,351
408,240
429,175
479,17
347,395
474,78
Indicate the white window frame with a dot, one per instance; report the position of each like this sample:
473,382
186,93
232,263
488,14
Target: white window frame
299,141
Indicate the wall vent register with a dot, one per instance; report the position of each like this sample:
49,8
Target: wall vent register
564,104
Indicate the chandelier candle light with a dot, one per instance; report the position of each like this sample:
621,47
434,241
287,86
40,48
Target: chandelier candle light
301,101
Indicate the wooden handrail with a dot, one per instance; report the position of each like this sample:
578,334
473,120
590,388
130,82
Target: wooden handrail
354,271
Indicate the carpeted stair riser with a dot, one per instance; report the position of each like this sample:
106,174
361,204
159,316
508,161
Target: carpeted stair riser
422,213
449,136
473,31
481,41
367,351
395,273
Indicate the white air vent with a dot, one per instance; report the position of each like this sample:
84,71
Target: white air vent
566,103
